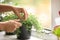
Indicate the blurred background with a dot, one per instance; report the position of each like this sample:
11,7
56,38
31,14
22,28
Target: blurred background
40,8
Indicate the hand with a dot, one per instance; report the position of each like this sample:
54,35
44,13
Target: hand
10,26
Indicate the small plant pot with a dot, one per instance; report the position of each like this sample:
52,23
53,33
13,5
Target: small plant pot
1,18
10,33
24,34
0,30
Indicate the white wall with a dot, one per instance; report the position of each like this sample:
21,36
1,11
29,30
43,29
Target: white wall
55,8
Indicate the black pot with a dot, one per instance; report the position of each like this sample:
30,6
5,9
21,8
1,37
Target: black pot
0,30
13,33
24,34
1,18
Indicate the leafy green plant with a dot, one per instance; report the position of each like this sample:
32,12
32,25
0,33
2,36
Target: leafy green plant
31,21
9,17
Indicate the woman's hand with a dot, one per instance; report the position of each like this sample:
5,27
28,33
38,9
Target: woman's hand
10,26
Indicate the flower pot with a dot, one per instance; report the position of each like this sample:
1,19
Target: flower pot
1,18
10,33
0,30
24,34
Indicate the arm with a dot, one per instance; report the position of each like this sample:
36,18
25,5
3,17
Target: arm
5,8
10,26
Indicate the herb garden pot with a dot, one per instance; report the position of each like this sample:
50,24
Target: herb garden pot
9,33
24,33
1,18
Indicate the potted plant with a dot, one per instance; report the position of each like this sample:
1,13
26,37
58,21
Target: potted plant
24,32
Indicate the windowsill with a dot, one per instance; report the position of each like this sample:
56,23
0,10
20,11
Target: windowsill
13,37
